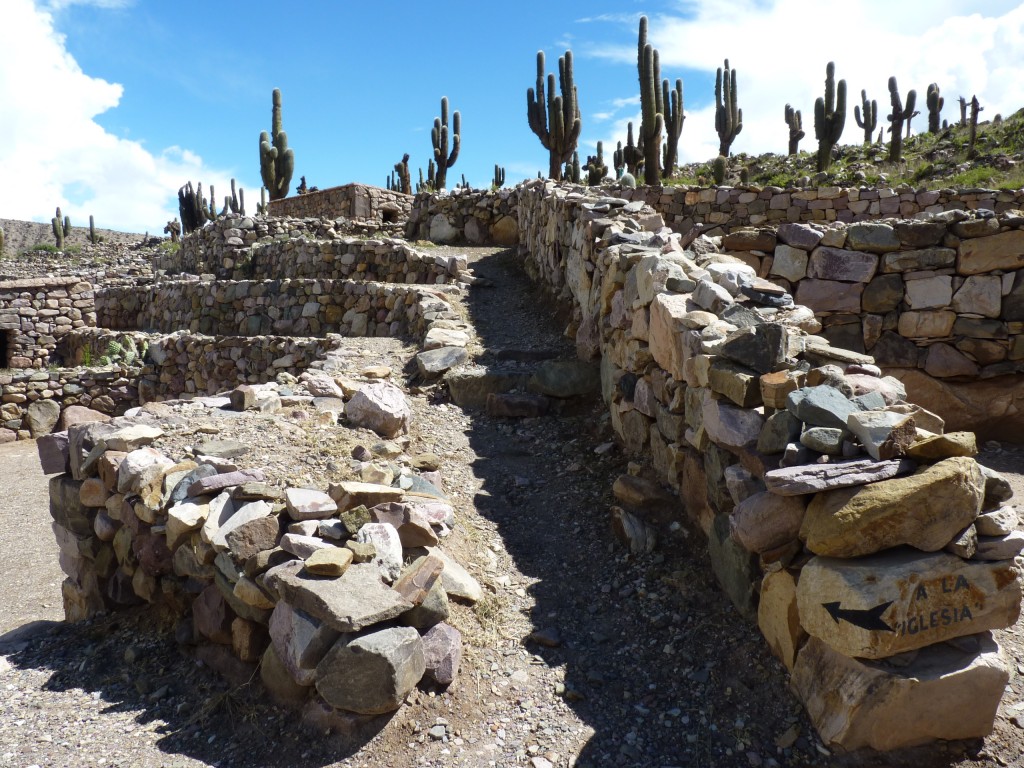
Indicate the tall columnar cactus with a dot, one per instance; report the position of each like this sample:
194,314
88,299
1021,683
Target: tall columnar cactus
596,169
277,161
499,177
92,230
1,241
652,111
896,119
963,111
728,118
439,136
674,117
261,209
556,119
193,208
870,118
796,129
975,109
632,155
935,103
829,117
404,183
61,228
572,169
236,202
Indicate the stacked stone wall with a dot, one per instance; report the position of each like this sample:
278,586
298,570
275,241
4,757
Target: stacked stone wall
256,308
475,216
847,522
35,313
351,201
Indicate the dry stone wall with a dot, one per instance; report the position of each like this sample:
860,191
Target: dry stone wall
874,552
255,308
36,313
351,201
475,216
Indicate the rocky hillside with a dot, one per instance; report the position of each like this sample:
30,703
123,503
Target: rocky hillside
934,161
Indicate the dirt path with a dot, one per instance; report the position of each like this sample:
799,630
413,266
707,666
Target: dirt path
30,576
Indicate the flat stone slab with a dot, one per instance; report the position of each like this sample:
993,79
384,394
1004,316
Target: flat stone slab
874,607
944,693
350,602
811,478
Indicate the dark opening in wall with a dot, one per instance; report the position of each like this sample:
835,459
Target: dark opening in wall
390,213
6,343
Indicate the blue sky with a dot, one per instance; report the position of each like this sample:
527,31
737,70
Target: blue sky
111,105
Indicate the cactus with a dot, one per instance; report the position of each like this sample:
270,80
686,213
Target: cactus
975,109
652,111
1,241
404,185
718,169
277,161
596,169
935,103
261,209
631,157
439,136
556,119
618,163
963,111
236,202
728,119
499,177
58,230
464,184
674,117
796,128
193,208
92,230
211,211
896,119
627,180
870,119
829,117
572,171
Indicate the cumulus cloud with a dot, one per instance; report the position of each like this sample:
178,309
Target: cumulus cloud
780,48
52,150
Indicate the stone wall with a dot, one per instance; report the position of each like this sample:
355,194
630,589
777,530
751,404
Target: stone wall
351,201
35,313
845,521
283,248
256,308
684,207
475,216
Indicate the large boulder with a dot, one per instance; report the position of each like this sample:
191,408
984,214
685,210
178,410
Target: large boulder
382,407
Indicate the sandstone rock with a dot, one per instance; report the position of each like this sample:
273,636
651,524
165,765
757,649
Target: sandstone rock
979,295
250,593
329,561
735,568
212,616
182,519
418,578
211,484
944,361
925,510
442,653
883,434
132,476
944,446
812,478
926,324
217,527
826,440
355,600
53,451
778,617
965,544
349,494
780,429
381,407
456,580
414,529
875,237
131,437
300,641
248,640
997,488
41,417
887,708
730,426
998,522
766,521
309,504
74,415
667,340
878,606
434,363
373,673
986,254
279,682
388,546
1000,547
835,264
992,408
775,387
829,295
790,263
303,546
253,536
433,610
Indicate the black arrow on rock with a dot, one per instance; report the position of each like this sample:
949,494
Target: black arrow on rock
871,619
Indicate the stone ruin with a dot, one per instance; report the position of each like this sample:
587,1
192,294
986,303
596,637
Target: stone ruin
856,528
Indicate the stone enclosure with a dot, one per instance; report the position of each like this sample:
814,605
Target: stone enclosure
799,366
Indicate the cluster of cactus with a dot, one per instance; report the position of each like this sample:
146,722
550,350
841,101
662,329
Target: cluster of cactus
718,168
235,202
277,160
402,183
555,119
463,184
897,118
596,169
630,158
499,177
796,128
572,171
123,351
426,185
829,117
869,120
61,228
193,207
935,102
728,117
439,136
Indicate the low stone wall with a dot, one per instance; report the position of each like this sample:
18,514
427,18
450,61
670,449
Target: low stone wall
32,402
352,201
475,216
842,519
683,207
256,308
35,313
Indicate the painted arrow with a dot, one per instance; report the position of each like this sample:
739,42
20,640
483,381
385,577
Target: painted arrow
871,619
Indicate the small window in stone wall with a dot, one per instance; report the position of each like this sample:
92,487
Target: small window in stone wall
6,344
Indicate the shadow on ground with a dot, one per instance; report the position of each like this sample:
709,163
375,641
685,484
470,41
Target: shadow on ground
657,661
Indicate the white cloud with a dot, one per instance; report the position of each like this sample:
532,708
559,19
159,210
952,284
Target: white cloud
780,48
57,5
52,150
